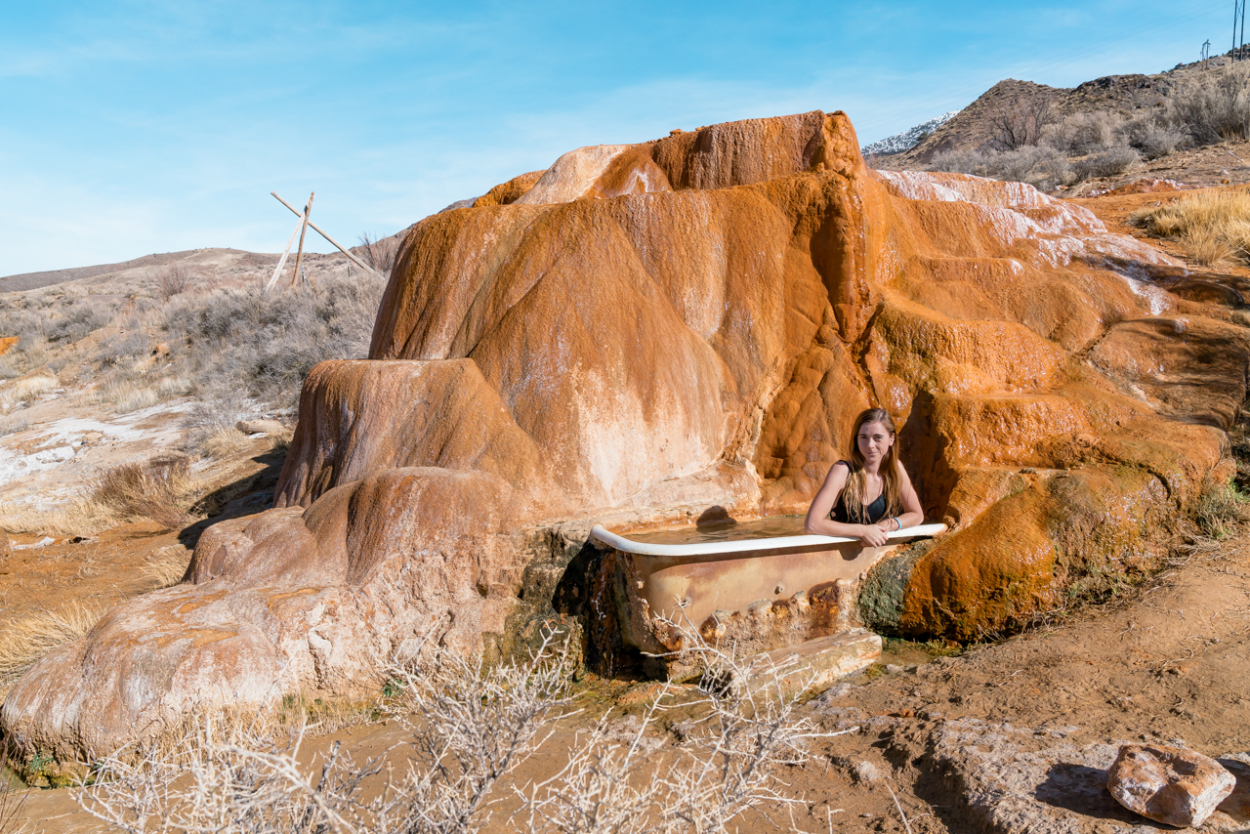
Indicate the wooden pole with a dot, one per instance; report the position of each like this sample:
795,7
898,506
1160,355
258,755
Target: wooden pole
285,253
357,261
299,257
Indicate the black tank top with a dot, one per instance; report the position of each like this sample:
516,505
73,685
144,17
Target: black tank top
875,511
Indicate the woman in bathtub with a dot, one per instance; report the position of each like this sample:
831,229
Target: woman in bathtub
870,495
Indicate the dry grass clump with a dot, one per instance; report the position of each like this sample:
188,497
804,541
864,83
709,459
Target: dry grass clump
164,568
1213,225
80,516
25,389
470,728
157,489
24,641
222,442
127,395
1222,511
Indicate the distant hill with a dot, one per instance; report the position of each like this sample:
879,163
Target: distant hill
219,261
974,127
908,139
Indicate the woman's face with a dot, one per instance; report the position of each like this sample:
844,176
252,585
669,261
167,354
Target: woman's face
874,441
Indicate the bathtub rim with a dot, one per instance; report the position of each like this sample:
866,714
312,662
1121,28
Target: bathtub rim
626,545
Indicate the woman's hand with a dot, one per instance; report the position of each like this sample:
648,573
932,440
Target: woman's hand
871,535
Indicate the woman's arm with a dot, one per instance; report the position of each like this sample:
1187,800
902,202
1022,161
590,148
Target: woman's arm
818,520
913,513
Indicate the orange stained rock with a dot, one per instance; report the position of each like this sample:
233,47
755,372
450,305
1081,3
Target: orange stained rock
644,332
509,192
7,343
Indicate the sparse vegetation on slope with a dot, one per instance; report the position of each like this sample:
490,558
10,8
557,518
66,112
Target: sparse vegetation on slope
234,350
1051,137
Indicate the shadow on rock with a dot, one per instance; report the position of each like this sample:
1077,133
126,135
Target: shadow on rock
246,496
1081,789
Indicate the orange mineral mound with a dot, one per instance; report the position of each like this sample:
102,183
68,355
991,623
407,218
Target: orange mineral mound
640,333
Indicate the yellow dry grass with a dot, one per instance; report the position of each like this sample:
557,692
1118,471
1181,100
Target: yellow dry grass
127,395
223,443
165,567
23,641
25,389
1213,225
159,489
80,517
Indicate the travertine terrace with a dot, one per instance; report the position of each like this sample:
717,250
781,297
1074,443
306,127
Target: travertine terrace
643,332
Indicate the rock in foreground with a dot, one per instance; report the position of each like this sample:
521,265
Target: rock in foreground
1169,784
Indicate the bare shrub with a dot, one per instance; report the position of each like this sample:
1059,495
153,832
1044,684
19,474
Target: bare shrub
470,727
74,318
135,346
24,641
1042,167
1022,122
156,489
1083,133
173,279
728,763
263,345
1152,136
1105,163
1212,225
1215,109
380,255
230,778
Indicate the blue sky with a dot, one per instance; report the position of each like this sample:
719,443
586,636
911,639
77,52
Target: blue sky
135,127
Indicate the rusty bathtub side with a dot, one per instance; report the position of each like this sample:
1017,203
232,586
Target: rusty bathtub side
761,594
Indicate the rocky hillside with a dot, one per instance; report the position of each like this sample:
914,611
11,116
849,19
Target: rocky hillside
978,126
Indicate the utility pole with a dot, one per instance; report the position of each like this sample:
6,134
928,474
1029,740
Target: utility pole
1206,53
1239,15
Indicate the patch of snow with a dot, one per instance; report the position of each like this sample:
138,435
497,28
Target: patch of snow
909,138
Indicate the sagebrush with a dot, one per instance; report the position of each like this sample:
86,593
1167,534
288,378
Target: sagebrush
469,728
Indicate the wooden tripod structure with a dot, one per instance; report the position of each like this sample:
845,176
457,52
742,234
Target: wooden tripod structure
301,228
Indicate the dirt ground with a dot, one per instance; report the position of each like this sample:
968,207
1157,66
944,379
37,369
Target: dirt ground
1167,663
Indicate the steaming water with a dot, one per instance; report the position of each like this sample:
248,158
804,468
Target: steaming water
725,531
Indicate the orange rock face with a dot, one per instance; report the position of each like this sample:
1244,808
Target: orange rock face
643,332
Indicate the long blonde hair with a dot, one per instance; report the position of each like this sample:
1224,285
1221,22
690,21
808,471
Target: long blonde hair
856,481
